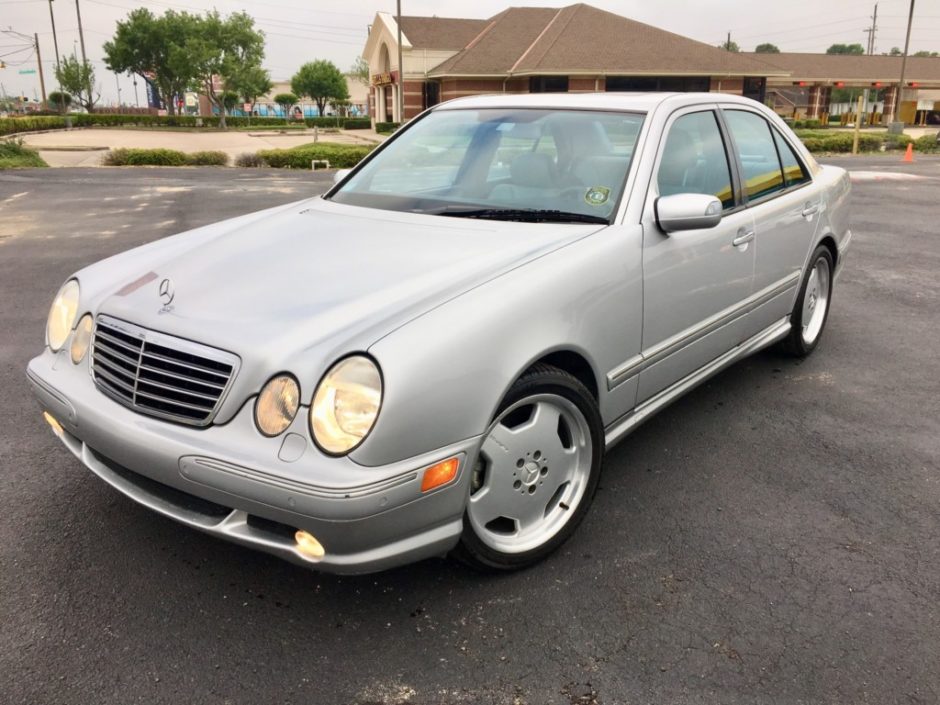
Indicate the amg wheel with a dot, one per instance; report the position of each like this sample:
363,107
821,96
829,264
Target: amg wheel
812,305
537,473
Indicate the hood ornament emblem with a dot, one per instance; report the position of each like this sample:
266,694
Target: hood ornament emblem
167,294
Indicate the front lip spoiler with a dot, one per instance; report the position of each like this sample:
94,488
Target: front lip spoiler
237,526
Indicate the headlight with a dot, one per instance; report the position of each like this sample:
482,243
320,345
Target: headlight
346,404
82,338
62,315
277,405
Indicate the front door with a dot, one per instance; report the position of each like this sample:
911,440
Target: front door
695,282
777,189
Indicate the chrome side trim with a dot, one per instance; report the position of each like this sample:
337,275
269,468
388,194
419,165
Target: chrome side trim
667,347
620,428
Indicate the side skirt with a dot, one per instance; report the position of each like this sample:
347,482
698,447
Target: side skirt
622,427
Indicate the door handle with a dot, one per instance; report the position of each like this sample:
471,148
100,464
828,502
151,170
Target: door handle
810,209
744,237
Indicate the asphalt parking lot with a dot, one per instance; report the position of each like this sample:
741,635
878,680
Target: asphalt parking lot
774,537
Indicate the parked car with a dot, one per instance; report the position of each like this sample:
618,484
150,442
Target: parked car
433,356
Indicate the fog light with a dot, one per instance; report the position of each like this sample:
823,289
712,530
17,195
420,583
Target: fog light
81,338
439,474
308,546
56,426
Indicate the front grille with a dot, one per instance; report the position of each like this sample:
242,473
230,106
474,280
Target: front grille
158,374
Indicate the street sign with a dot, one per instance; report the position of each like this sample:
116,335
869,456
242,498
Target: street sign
27,70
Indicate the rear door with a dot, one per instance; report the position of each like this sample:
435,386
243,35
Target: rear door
779,192
697,281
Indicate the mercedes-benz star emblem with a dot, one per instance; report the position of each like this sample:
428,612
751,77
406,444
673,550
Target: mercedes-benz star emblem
166,292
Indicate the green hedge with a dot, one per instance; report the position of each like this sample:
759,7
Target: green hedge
9,126
386,127
163,157
13,155
841,142
340,156
927,143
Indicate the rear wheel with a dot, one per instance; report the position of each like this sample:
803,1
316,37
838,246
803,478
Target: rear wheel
538,469
811,309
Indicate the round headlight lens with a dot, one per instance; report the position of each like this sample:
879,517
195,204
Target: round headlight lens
277,405
82,338
346,404
62,315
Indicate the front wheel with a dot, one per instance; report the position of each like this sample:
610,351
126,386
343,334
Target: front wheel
537,472
811,309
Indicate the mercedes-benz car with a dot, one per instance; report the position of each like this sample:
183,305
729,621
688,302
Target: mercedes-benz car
433,357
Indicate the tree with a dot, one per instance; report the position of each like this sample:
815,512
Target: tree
730,45
895,51
218,50
250,82
60,100
360,71
152,47
767,48
929,54
322,81
229,101
286,101
846,49
77,78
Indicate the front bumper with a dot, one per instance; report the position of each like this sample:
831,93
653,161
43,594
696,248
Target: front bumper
232,482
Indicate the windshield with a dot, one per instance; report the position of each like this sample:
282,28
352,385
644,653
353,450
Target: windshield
511,164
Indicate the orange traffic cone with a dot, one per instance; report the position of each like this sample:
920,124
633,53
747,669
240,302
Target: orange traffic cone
909,154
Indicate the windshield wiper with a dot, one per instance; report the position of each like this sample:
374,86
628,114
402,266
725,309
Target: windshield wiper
524,215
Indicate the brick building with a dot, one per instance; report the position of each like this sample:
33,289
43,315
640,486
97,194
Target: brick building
578,48
811,77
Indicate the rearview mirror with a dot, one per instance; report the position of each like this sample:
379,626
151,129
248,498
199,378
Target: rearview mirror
340,175
687,211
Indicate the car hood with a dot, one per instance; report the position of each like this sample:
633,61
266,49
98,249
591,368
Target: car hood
314,274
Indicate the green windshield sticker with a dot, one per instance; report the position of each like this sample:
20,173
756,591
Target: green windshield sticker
597,195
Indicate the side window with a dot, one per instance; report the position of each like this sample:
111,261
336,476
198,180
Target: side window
694,159
793,170
756,150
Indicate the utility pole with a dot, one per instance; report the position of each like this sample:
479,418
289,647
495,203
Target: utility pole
728,43
401,69
81,34
871,31
907,46
42,79
55,41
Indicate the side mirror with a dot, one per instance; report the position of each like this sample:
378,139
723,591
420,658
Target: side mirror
340,175
687,211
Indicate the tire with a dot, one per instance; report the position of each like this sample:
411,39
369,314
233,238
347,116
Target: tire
537,473
811,310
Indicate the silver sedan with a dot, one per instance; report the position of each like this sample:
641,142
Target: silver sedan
434,356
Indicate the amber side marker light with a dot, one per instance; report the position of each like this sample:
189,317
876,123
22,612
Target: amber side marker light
56,426
308,546
439,474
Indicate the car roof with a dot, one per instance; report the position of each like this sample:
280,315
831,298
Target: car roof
640,102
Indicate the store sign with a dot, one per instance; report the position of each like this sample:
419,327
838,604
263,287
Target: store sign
383,79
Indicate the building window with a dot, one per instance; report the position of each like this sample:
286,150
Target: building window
432,93
548,84
755,89
679,84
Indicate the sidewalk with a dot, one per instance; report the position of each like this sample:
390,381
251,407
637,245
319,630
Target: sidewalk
86,147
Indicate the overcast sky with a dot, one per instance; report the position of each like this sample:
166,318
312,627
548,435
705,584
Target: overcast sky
336,29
